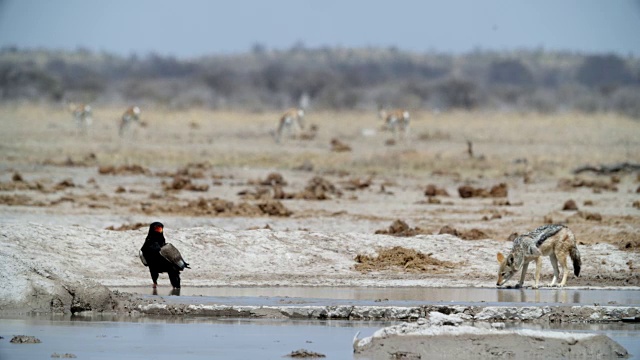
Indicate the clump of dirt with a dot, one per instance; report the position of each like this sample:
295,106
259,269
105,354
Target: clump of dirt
497,191
15,200
272,179
126,227
400,228
339,146
220,207
274,208
184,183
19,183
473,234
596,185
400,258
356,184
263,193
89,160
589,216
64,184
25,339
305,354
432,190
123,170
318,189
570,205
191,170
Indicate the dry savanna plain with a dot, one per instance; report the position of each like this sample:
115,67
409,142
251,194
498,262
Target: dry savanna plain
479,176
431,208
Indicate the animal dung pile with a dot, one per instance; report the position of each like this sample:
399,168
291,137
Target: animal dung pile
339,146
220,207
126,227
403,259
473,234
596,185
356,184
123,170
272,179
184,183
318,188
570,205
400,228
274,208
432,190
496,191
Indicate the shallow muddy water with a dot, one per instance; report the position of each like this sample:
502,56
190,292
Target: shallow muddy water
409,296
180,339
200,338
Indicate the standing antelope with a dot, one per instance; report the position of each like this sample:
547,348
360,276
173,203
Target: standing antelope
82,114
130,115
396,120
291,117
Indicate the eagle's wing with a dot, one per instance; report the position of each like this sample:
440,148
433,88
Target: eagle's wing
169,252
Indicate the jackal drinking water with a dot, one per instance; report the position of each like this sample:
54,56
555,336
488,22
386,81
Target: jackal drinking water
555,241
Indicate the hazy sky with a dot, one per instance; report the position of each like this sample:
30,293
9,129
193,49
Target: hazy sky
189,28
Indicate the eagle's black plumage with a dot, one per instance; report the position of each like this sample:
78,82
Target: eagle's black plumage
161,257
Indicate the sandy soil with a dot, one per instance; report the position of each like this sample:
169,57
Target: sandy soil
243,210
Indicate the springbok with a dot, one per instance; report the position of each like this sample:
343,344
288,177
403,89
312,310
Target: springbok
130,115
396,120
82,114
290,118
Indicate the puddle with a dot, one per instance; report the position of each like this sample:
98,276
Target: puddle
198,338
409,296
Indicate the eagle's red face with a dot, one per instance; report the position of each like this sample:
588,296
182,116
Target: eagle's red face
158,229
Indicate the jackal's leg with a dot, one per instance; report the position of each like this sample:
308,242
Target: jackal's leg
524,273
538,266
565,272
556,274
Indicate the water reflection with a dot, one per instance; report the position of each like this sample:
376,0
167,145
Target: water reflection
172,292
558,296
393,296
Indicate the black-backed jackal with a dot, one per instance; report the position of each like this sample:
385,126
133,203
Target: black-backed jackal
396,120
555,241
130,115
82,114
290,118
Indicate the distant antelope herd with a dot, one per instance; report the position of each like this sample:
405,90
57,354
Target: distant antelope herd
291,121
83,116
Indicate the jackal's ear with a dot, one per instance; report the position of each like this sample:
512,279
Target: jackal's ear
500,258
510,259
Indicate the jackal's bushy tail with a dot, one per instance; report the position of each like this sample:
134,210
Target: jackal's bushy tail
575,256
